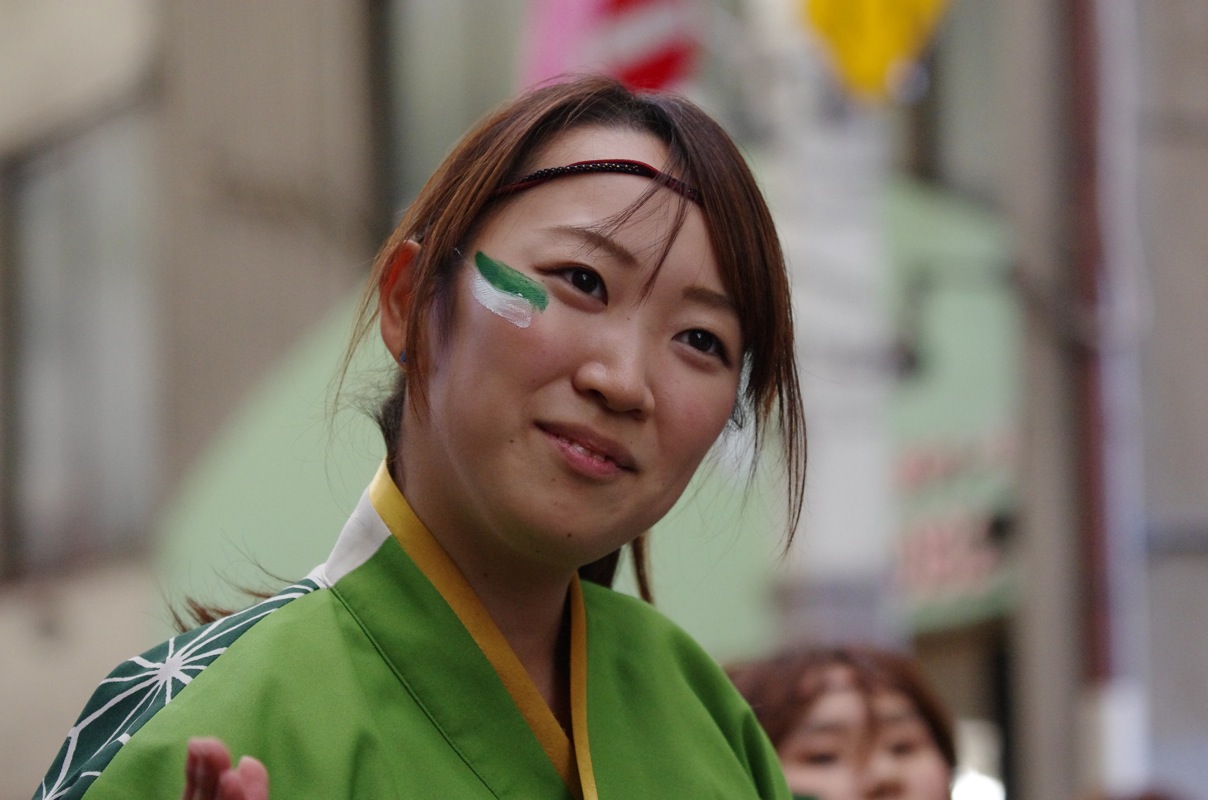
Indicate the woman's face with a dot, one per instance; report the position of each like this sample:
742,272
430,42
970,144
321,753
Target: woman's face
569,407
850,746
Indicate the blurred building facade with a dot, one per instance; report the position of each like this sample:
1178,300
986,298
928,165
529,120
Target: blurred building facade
185,187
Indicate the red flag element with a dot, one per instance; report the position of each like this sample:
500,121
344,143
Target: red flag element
667,67
646,44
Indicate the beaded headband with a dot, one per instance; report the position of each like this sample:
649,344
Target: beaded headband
621,165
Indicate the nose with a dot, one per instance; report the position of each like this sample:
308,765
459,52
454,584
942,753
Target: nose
615,371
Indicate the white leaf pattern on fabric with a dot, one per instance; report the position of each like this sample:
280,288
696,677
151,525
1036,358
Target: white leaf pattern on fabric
141,686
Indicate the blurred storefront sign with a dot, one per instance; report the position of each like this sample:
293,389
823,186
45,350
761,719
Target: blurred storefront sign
955,409
951,567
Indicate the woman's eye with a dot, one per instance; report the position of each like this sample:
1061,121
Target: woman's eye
821,758
812,756
587,282
705,342
902,748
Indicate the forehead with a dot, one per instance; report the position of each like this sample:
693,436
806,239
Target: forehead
843,702
838,706
591,210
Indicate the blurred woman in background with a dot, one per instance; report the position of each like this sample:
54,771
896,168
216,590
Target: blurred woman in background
852,723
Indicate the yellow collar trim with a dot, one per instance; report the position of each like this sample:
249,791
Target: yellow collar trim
578,689
436,565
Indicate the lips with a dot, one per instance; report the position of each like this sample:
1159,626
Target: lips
591,446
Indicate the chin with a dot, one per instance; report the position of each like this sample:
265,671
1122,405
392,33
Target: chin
577,548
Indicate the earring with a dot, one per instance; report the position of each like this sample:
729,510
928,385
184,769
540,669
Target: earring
402,357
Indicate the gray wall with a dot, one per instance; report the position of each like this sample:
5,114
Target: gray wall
269,183
1173,128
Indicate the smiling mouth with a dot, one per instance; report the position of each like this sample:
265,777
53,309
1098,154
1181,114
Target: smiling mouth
585,451
591,448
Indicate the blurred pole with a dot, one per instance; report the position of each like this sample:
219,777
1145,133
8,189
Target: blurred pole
1087,263
1107,261
1116,703
10,540
1045,678
831,156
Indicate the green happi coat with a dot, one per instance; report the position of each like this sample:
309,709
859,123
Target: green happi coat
382,676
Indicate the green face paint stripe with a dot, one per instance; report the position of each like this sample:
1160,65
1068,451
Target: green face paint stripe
509,281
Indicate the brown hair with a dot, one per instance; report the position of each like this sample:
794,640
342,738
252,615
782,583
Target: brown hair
461,194
783,689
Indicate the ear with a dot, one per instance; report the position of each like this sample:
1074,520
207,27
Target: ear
395,292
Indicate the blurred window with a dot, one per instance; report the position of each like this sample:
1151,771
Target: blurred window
950,130
447,63
78,408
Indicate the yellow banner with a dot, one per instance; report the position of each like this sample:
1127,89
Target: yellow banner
871,41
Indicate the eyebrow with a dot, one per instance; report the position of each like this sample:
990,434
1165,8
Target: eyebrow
826,727
599,240
710,298
899,718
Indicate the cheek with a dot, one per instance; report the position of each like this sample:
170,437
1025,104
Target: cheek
697,417
496,348
832,783
931,777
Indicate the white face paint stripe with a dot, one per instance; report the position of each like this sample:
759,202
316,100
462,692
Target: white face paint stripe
515,310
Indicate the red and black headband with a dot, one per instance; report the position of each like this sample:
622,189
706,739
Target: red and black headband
621,165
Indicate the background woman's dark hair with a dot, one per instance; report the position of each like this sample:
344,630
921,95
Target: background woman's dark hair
458,197
782,689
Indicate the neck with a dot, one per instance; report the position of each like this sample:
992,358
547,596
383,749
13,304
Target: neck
532,614
539,634
528,604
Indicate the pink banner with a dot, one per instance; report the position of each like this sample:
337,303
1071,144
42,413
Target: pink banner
558,31
647,44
